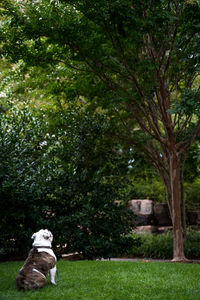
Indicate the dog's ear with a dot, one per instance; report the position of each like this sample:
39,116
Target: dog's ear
33,236
48,235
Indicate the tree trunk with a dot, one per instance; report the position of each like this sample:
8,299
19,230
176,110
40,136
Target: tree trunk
178,251
169,198
183,210
182,197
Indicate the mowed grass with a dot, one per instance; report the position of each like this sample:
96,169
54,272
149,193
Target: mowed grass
109,280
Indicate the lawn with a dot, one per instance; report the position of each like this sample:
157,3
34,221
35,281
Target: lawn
93,280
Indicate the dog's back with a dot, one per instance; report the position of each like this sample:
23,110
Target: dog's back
35,269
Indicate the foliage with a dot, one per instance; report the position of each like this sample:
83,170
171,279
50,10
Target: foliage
161,246
81,204
192,194
150,189
101,280
192,163
122,54
36,87
192,244
154,246
146,54
57,177
21,191
189,103
153,189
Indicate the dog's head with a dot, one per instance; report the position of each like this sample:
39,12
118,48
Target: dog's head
43,237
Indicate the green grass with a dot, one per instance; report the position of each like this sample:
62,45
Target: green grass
94,280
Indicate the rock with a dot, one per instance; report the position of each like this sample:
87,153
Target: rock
143,211
162,215
141,207
164,229
146,229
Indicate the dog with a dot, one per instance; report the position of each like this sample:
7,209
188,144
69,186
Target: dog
40,262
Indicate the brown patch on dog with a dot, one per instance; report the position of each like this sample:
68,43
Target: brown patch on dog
27,278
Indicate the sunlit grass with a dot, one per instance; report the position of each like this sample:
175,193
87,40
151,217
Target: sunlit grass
109,280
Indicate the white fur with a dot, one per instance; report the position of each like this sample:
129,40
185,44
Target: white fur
35,270
45,238
50,251
52,275
42,238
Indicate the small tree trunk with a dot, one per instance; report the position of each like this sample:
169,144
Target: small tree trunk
178,251
166,181
183,198
169,198
183,210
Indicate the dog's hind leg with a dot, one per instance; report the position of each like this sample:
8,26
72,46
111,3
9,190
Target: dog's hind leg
52,274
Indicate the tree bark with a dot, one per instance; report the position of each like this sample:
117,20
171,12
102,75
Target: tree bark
169,197
182,162
183,210
178,251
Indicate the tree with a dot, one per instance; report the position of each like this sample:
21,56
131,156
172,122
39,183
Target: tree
146,53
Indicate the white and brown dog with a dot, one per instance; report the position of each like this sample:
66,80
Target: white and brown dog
40,262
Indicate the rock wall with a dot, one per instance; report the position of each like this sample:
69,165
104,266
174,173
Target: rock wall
152,218
143,210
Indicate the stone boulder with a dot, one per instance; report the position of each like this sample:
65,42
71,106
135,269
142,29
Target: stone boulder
143,211
146,229
141,206
162,214
164,229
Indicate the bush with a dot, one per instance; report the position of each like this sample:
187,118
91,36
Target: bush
59,178
161,246
84,215
150,189
21,188
91,224
154,246
192,245
192,194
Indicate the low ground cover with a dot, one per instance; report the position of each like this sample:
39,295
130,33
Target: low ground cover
161,245
94,280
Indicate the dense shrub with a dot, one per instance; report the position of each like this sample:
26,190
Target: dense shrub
150,189
154,246
64,178
84,214
192,245
192,194
90,223
21,189
161,246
